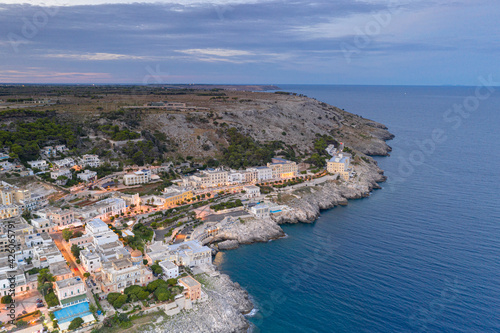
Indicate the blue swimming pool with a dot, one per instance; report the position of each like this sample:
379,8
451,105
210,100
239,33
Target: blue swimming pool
71,312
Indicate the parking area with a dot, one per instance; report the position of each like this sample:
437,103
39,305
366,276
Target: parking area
24,304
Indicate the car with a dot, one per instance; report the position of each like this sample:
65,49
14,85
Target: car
24,312
40,305
38,299
76,269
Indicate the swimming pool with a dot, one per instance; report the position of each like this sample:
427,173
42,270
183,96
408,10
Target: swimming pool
71,312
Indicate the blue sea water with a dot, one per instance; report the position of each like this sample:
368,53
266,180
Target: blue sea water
420,255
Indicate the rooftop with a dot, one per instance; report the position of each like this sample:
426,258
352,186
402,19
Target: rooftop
69,282
189,281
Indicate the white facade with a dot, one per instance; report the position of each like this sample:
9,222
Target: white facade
170,270
251,191
69,288
236,177
138,177
190,253
87,175
64,163
40,164
264,173
61,172
95,227
91,161
260,211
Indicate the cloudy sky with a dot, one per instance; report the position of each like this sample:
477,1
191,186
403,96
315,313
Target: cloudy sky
417,42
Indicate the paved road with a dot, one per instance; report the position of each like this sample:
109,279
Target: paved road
66,252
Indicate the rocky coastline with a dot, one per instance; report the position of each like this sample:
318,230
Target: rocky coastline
228,302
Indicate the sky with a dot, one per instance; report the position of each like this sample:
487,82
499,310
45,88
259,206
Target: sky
391,42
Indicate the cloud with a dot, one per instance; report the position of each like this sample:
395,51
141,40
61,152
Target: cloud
97,56
41,75
48,3
217,52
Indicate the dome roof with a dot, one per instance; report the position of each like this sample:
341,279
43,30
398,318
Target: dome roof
136,253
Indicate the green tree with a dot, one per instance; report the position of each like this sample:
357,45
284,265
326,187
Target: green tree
45,279
86,275
7,299
75,323
172,282
156,269
120,301
67,234
75,250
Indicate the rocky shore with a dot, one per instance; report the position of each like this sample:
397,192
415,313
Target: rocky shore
223,312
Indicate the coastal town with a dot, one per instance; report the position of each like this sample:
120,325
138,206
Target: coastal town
86,250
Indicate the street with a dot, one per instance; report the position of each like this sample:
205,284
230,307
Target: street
64,247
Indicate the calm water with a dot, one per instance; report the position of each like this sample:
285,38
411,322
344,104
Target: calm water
420,255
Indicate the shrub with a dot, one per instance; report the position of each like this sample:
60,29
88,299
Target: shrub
75,323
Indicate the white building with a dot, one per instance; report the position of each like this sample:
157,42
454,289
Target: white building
70,291
61,173
251,191
39,164
138,177
43,225
190,253
67,162
96,227
48,151
236,177
170,270
263,173
90,259
260,211
90,161
60,148
87,176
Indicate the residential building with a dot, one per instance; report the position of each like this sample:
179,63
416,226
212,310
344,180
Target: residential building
39,164
170,270
339,164
260,211
90,161
90,259
190,253
60,148
87,176
21,282
110,207
60,270
70,291
43,225
67,162
138,177
236,177
61,173
9,211
118,274
251,191
171,197
283,168
49,151
215,177
263,173
192,288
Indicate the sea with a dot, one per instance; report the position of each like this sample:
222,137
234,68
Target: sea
422,254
